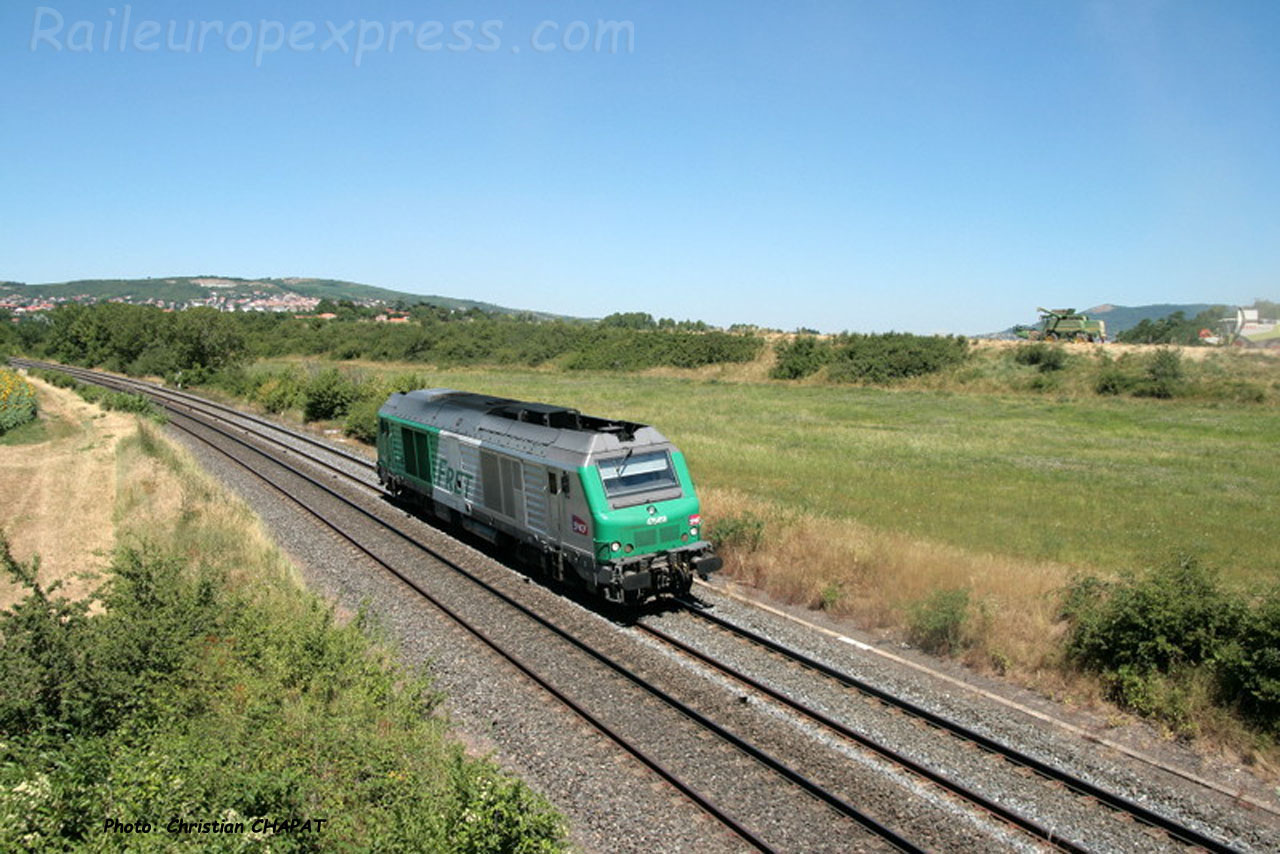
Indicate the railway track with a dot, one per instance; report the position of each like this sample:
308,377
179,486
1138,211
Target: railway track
190,411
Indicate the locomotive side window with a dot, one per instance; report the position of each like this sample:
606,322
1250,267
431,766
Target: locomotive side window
552,484
637,473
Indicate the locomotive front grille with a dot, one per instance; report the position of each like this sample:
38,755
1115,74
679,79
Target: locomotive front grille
650,536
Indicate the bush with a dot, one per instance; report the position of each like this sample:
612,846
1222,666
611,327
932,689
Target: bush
1175,615
1113,380
799,358
893,356
17,400
1151,637
282,391
1042,356
104,397
361,422
744,532
1163,375
329,394
1249,666
937,623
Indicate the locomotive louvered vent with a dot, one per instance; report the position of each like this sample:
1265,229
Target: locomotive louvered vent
503,480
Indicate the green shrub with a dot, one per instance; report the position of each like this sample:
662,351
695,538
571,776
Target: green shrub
937,623
1042,356
280,392
1249,666
328,394
106,398
893,356
1113,380
1174,615
799,358
744,532
186,696
1163,375
361,422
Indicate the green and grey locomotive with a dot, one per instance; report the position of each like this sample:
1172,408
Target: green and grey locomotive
607,502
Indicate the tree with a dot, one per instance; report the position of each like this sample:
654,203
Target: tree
630,320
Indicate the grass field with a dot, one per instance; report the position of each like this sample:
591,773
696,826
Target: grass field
1101,483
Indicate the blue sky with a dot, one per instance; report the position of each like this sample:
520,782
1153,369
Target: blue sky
936,166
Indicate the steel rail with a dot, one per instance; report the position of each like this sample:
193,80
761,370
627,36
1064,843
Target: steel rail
1186,835
889,753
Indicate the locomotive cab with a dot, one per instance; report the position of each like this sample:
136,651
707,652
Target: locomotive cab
648,527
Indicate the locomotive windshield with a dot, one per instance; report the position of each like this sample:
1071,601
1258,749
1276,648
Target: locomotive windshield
637,473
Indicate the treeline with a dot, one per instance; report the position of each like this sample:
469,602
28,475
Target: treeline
189,346
1175,328
881,358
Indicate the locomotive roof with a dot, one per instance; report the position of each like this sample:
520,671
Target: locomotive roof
520,422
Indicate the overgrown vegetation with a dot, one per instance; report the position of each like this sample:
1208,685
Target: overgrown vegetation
938,622
1043,356
1160,375
17,401
857,358
205,687
799,357
1152,636
119,401
189,346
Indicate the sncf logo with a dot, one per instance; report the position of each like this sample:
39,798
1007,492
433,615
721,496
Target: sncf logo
580,526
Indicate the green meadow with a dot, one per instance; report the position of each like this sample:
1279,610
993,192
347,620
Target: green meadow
1096,483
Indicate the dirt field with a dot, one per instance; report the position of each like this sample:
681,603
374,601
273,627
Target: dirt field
59,494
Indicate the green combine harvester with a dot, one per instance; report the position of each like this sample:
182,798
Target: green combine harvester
1066,324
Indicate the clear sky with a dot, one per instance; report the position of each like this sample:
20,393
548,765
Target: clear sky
940,165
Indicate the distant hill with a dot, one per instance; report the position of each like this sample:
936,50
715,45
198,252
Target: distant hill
180,290
1122,317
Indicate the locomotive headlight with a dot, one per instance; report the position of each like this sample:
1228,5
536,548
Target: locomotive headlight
627,548
693,532
615,546
684,538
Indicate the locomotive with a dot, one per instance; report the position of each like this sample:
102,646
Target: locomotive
604,502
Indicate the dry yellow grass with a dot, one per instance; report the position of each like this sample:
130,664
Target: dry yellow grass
872,577
106,479
163,495
58,495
